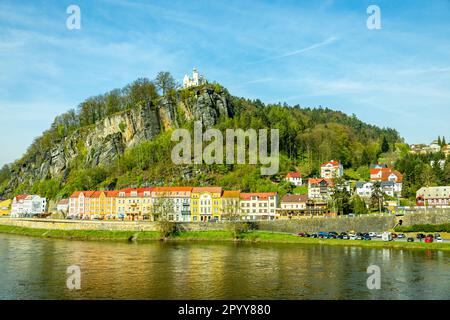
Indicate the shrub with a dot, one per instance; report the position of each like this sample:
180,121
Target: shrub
238,229
424,228
166,228
122,126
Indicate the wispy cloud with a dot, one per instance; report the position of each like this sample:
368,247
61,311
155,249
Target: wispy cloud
300,51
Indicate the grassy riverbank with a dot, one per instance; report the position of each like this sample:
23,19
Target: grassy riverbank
251,237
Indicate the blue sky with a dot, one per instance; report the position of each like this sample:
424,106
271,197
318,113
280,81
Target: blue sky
309,53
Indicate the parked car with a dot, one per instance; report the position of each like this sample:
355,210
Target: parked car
372,234
410,239
439,239
367,238
301,234
314,235
344,236
420,236
401,236
322,235
353,237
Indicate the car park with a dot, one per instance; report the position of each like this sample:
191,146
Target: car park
410,239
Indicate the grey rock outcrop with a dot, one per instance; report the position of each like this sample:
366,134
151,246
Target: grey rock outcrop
102,143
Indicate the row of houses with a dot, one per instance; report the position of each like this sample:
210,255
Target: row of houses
433,147
174,203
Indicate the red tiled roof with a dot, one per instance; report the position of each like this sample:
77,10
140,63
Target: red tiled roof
385,173
88,194
207,189
21,197
112,194
334,163
260,195
312,181
293,175
76,194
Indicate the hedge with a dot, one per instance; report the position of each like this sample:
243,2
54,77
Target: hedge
425,228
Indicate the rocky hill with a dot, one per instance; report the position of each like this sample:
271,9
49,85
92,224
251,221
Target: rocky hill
107,139
121,139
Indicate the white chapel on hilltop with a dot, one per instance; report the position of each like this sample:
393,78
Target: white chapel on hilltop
196,79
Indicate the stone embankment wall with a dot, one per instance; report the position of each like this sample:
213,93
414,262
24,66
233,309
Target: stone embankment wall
364,223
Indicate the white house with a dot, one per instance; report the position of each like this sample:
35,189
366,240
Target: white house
177,198
332,169
195,81
28,205
294,202
384,174
295,178
320,189
434,147
76,204
63,205
365,189
259,206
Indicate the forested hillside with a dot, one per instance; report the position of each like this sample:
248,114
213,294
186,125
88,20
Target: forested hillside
122,139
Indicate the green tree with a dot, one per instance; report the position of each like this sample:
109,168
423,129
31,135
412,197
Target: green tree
340,196
378,196
359,205
165,82
385,145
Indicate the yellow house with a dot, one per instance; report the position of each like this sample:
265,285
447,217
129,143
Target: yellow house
206,204
134,204
231,205
5,207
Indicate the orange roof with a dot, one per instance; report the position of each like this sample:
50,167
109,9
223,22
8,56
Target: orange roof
172,189
261,195
75,194
231,194
385,173
207,189
112,194
21,197
294,175
319,180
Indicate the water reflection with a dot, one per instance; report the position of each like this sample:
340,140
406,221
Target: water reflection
32,268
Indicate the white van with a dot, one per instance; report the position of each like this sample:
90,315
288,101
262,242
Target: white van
387,236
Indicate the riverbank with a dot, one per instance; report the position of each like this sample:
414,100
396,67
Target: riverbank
221,236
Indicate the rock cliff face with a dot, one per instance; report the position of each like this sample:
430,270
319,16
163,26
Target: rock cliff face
103,142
